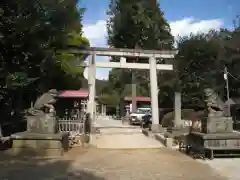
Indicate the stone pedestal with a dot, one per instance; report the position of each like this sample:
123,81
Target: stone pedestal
216,141
37,144
217,124
41,138
168,142
216,138
46,124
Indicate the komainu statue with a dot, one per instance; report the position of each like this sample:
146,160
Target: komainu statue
44,104
214,107
213,102
41,118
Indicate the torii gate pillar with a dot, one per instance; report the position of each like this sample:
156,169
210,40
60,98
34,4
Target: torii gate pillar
156,127
92,87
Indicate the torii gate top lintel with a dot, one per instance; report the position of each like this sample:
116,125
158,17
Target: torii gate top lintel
123,52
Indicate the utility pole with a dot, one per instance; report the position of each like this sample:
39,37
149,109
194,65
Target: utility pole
227,88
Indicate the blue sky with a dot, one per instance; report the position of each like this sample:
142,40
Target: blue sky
184,16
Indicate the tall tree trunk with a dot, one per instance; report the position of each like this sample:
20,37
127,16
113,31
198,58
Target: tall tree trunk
154,3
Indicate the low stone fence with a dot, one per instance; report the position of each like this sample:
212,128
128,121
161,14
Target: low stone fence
78,130
73,127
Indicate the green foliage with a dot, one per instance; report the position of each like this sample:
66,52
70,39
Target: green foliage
197,67
112,100
31,32
166,96
18,80
118,79
200,63
135,25
69,62
231,58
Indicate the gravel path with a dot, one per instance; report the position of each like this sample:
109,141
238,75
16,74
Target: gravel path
126,141
91,163
229,167
110,122
115,135
102,164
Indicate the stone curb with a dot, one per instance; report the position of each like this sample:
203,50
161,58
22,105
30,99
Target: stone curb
166,141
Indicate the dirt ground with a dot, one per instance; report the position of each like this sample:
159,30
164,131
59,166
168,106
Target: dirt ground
102,164
228,167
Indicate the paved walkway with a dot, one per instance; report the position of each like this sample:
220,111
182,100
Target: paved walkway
115,135
102,164
110,122
126,141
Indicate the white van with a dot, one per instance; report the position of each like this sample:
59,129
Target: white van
136,118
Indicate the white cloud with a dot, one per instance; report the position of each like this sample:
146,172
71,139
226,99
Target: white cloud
190,25
97,33
102,74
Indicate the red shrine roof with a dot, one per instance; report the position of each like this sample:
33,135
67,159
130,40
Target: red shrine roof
73,94
84,94
139,98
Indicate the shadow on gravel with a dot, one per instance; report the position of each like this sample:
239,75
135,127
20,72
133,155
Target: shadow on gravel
29,167
4,145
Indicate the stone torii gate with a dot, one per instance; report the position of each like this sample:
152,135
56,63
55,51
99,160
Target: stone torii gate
152,66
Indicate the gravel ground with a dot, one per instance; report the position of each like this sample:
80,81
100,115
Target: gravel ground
110,122
126,141
110,164
103,164
229,167
124,138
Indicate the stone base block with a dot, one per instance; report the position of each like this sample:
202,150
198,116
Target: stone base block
215,124
34,144
169,142
29,152
157,128
94,130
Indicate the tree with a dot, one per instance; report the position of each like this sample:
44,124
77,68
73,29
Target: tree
112,100
31,32
136,24
230,40
66,64
200,63
198,67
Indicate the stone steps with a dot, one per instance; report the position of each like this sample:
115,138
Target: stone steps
123,138
117,130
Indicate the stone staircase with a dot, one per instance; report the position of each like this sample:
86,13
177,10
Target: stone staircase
122,137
